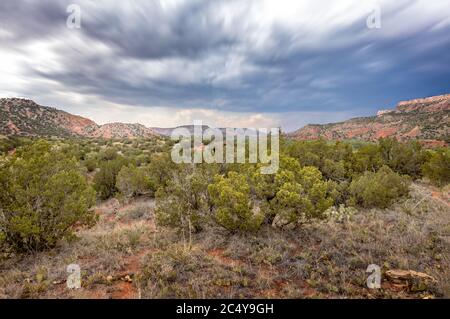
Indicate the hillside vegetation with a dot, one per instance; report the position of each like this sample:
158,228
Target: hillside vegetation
425,119
23,117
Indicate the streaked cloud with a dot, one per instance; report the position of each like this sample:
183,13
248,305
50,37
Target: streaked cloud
251,63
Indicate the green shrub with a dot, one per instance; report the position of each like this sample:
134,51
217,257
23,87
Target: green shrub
132,181
291,204
437,168
378,189
105,178
184,202
43,196
266,186
316,153
317,190
160,169
8,144
108,154
334,170
367,158
90,164
307,197
339,192
2,239
231,198
403,158
142,159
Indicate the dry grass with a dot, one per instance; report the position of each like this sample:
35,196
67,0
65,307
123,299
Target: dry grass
126,256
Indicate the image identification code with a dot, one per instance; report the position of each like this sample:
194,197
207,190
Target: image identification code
232,308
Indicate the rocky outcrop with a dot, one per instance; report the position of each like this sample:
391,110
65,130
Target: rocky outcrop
425,119
429,104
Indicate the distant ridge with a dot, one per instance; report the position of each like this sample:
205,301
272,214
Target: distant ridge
168,131
426,119
23,117
191,129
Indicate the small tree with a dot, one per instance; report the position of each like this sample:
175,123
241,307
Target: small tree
317,190
132,181
367,158
292,205
378,189
160,169
90,163
43,196
403,158
266,186
231,198
334,170
307,197
108,154
105,178
184,202
437,169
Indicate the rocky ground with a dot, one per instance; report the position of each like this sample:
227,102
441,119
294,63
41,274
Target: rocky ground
127,256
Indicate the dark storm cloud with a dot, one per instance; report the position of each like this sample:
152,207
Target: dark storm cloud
31,20
188,30
196,54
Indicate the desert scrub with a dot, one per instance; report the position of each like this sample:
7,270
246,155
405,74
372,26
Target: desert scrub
133,237
90,163
231,198
167,273
291,204
378,189
303,199
140,211
437,169
132,181
184,202
44,195
403,158
340,214
177,272
105,179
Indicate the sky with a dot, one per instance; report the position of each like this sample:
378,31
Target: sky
228,63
